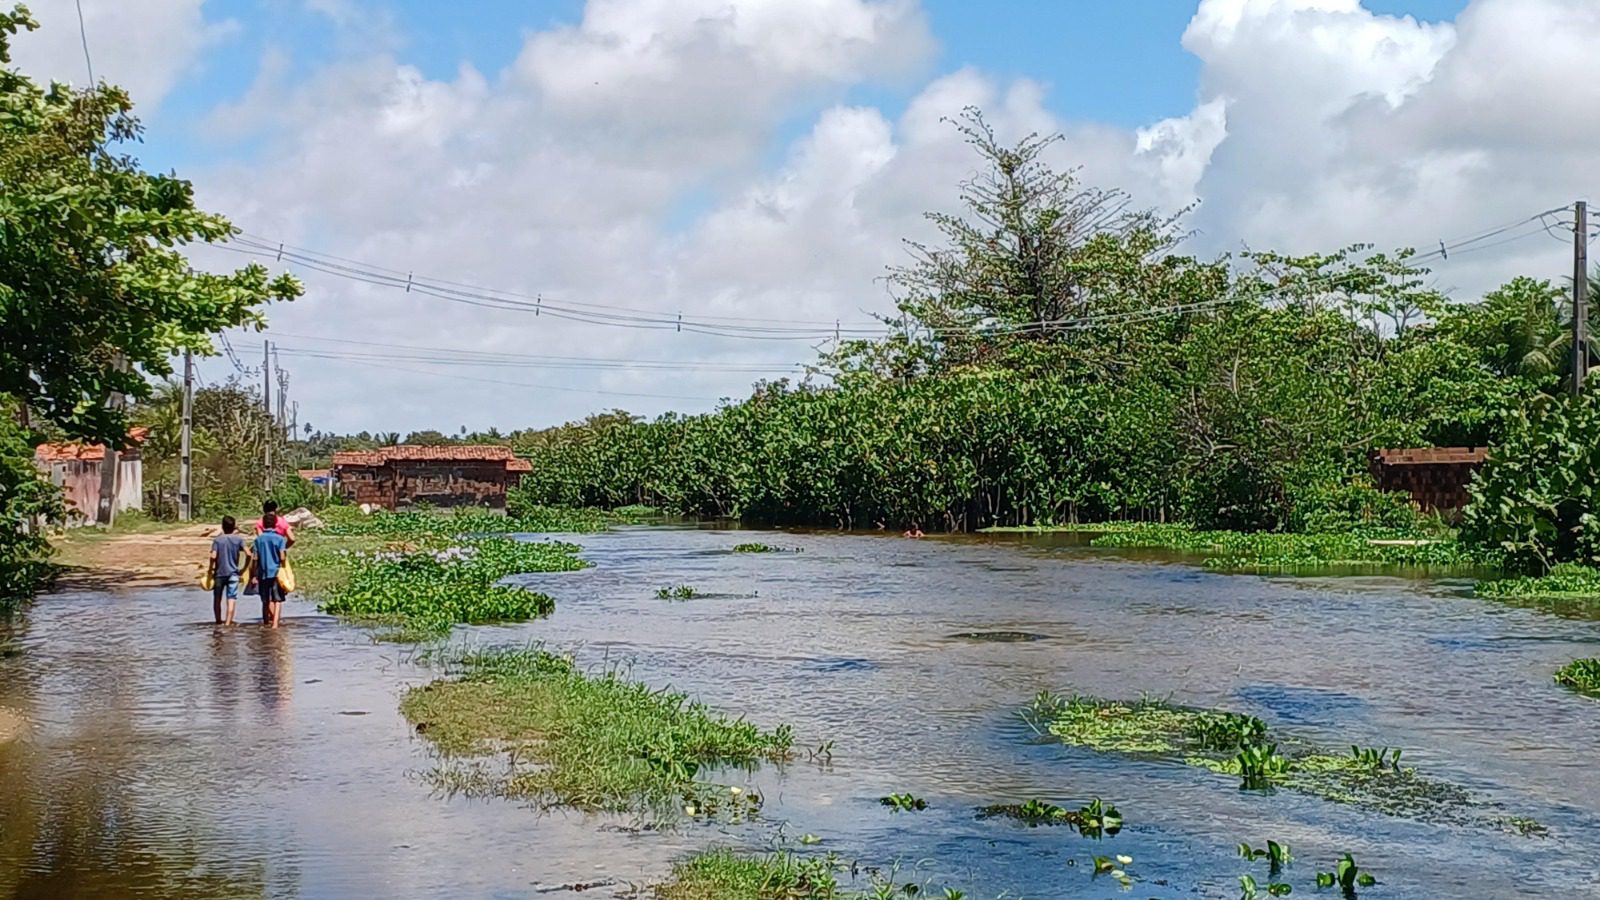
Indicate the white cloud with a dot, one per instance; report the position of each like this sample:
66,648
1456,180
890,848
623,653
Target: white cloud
628,159
145,46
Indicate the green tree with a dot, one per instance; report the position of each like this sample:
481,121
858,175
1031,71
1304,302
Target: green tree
1538,494
95,292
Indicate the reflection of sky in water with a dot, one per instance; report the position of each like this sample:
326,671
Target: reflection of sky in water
164,752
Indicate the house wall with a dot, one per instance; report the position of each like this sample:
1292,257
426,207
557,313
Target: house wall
402,483
79,481
1434,487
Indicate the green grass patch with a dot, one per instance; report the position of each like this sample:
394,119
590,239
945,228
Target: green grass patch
1276,551
1245,748
759,548
726,875
430,590
1564,582
591,741
418,525
1581,675
731,875
678,592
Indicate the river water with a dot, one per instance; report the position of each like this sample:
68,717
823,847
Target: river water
164,757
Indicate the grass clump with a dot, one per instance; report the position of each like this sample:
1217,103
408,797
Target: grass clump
680,592
430,590
591,741
1581,675
725,875
785,875
1245,748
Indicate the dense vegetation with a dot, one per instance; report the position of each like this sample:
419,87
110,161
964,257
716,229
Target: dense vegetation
95,294
1058,360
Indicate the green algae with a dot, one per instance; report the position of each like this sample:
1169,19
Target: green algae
1235,745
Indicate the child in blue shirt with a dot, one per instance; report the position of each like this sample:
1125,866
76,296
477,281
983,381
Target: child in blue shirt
269,551
225,550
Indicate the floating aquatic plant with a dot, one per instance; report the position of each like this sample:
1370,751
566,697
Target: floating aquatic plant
680,592
1346,876
1582,675
904,803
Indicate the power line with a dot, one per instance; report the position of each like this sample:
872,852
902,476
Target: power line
782,330
541,387
83,34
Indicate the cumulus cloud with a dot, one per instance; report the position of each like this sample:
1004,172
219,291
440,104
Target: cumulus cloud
146,46
628,159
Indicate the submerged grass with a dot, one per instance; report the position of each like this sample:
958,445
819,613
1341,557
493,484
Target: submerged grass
1244,747
591,741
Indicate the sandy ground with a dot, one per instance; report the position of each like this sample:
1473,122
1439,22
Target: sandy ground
170,557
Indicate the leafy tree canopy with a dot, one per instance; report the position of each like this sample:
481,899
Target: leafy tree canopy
95,292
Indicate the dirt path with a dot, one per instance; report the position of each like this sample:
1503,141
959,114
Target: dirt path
171,557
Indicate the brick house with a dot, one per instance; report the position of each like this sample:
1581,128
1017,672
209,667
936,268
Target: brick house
75,468
455,475
1435,477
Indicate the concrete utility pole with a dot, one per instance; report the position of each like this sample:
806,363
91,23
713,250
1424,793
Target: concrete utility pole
185,459
106,510
266,404
1580,295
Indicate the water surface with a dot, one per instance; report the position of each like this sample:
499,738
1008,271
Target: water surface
167,758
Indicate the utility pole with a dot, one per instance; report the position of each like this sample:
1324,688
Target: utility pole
1580,295
185,459
106,510
266,403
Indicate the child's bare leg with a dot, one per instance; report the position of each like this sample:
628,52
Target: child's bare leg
229,619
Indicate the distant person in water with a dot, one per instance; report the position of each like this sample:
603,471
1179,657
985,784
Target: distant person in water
915,531
270,508
268,554
225,572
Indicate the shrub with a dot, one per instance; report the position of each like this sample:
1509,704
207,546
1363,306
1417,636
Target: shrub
1536,495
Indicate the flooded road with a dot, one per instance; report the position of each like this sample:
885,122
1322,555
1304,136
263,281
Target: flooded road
164,758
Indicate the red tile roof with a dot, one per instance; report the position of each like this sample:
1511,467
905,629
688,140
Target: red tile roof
448,453
76,451
1430,456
